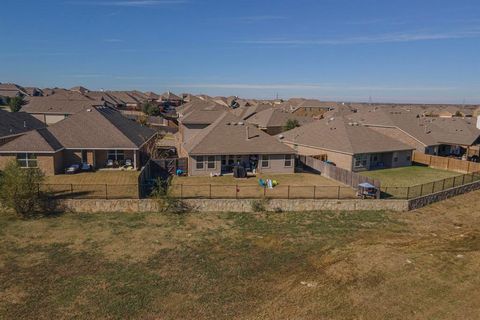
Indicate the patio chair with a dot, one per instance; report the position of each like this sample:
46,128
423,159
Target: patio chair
110,163
128,163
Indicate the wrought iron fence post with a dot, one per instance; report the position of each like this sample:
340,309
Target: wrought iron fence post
408,193
210,190
443,185
314,192
338,192
421,190
288,192
106,192
236,191
463,180
181,191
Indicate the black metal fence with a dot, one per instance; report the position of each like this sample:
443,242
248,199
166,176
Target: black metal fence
94,191
424,189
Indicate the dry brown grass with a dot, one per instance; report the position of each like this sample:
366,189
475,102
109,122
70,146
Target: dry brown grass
325,265
298,185
100,184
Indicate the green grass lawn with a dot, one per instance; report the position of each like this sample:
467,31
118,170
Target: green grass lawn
409,176
320,265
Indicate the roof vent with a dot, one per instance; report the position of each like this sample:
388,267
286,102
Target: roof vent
281,137
89,110
240,123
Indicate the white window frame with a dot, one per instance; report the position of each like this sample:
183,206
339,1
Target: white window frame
28,159
288,158
267,159
200,164
360,161
116,154
211,164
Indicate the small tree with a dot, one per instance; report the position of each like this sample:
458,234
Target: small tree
150,109
16,103
291,124
19,189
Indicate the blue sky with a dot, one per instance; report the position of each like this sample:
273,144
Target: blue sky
349,50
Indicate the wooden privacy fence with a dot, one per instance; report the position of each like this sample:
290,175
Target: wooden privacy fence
170,166
445,163
349,178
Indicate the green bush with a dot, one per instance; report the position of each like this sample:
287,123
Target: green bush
259,205
20,191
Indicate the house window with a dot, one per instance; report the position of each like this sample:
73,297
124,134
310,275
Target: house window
288,160
200,165
409,158
395,159
27,160
224,160
211,162
116,155
265,161
360,161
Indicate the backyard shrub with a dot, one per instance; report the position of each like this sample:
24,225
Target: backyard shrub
19,190
259,205
167,203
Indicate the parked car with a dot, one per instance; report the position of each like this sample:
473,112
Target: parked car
86,167
74,168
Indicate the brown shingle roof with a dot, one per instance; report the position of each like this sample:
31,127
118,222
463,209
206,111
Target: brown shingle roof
275,118
427,130
340,135
58,105
228,135
96,128
12,123
40,140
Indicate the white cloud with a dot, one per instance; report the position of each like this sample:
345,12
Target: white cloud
384,38
306,86
130,3
251,19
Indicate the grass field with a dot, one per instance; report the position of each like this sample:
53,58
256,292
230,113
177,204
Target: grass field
409,176
323,265
298,185
120,184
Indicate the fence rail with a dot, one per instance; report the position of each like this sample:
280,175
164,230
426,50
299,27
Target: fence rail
445,163
346,177
94,191
212,191
424,189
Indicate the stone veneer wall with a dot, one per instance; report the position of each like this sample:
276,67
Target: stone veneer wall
442,195
231,205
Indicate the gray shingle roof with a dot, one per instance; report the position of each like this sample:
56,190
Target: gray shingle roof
275,118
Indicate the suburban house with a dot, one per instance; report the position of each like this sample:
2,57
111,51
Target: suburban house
273,120
196,116
99,136
229,141
348,145
13,124
10,90
170,99
431,135
54,108
306,107
246,112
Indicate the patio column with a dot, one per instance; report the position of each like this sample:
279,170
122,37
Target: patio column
135,159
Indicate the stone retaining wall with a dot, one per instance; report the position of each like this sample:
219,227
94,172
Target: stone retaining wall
231,205
442,195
